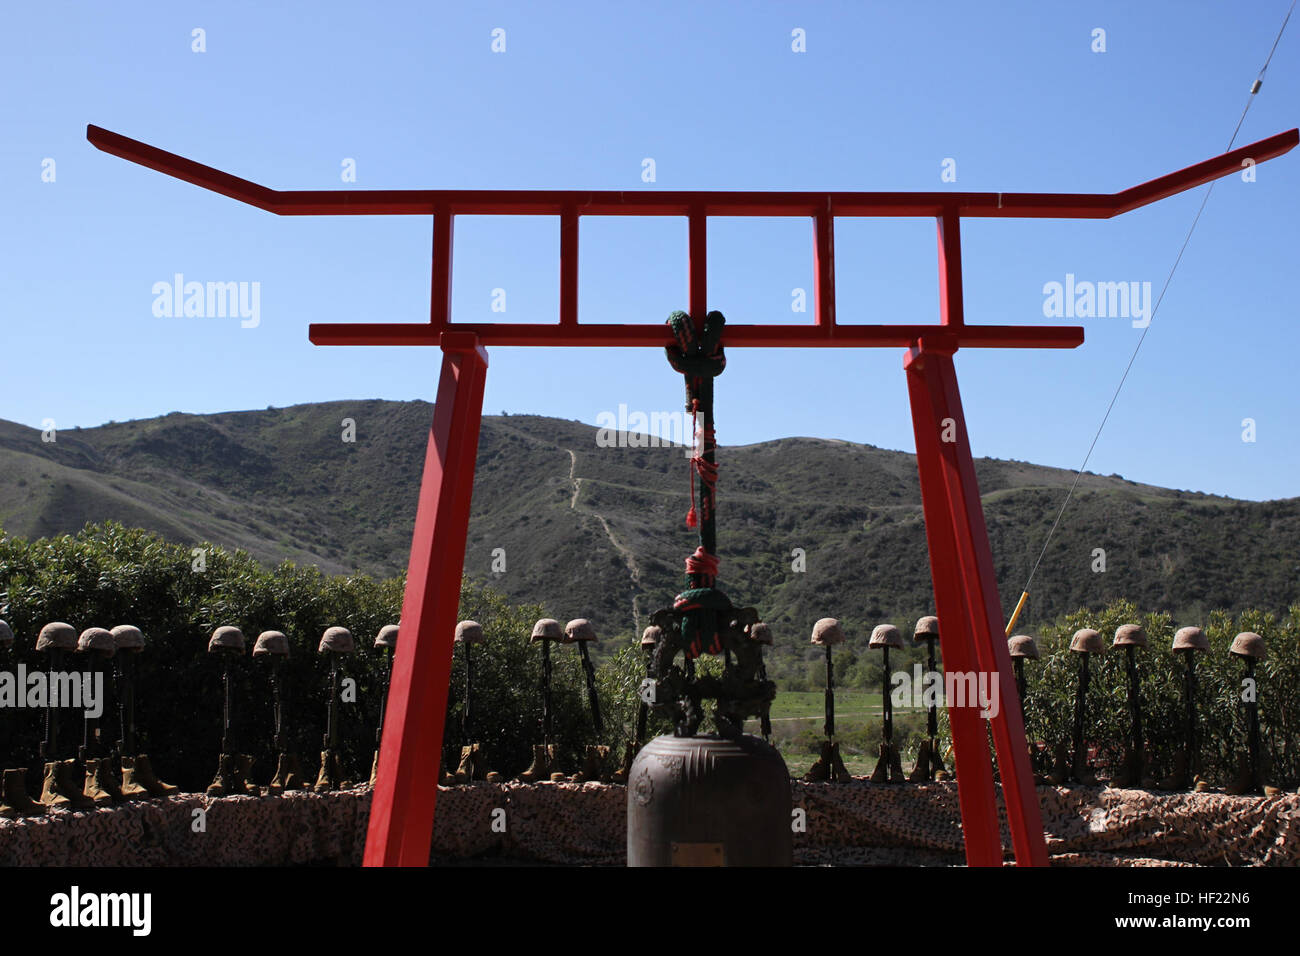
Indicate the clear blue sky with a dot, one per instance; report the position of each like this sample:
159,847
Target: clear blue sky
713,92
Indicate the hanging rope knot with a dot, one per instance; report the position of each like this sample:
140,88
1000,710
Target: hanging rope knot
696,354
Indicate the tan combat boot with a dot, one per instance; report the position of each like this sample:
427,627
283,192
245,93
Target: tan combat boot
1150,773
246,771
820,771
1060,766
621,774
288,774
1080,770
593,764
229,781
144,776
132,788
936,761
465,771
52,794
557,775
540,769
839,772
99,785
1178,778
921,771
1127,773
881,773
330,774
896,774
15,794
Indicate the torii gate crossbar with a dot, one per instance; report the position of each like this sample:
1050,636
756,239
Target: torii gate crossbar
961,562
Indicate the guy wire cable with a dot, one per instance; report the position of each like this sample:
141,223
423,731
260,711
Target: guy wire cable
1254,88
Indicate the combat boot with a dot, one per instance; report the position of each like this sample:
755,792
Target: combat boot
839,772
1150,773
541,767
1081,772
1126,775
1244,782
52,792
99,785
15,794
465,772
938,770
1178,777
246,771
820,771
1060,767
621,774
229,781
896,774
1039,779
70,778
881,773
557,775
921,771
593,764
288,774
132,788
330,774
144,776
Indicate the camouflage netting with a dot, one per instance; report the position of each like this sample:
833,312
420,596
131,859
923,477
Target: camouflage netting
846,824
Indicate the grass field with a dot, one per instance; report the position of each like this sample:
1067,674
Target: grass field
798,718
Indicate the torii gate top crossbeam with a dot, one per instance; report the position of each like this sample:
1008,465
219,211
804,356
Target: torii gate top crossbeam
948,208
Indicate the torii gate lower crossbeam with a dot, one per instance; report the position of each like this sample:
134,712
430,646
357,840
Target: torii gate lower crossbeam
961,565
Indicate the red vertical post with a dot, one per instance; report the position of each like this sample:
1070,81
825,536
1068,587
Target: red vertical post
697,291
569,265
824,269
931,371
975,791
440,285
952,307
406,788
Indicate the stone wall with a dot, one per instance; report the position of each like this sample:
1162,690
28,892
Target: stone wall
858,823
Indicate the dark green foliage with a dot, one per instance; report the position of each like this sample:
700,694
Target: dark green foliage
1052,681
107,575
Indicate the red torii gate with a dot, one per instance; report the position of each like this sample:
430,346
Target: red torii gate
961,564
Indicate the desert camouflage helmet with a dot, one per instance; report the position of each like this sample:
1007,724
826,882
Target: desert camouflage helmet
1130,635
579,629
97,639
1191,639
271,644
926,627
885,635
469,632
336,640
57,636
6,635
760,632
1022,645
127,637
1249,644
547,629
226,638
827,632
651,635
387,636
1087,641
